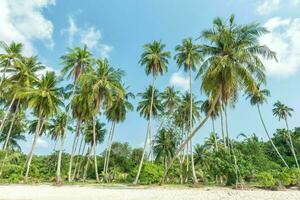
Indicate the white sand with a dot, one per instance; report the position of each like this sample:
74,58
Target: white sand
47,192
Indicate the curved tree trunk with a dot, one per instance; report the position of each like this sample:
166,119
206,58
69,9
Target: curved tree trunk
216,98
147,135
269,137
78,157
7,113
106,152
73,150
88,154
11,126
94,149
195,180
36,137
58,170
109,150
77,170
291,142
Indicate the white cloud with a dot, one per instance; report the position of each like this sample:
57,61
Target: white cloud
268,6
90,36
23,21
42,143
180,81
284,39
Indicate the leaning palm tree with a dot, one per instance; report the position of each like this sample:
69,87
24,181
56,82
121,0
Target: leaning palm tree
189,56
11,53
155,60
56,128
231,63
44,99
283,112
116,113
149,106
103,82
257,99
75,63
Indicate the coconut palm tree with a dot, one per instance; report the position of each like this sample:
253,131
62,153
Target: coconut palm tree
116,113
56,128
44,98
232,63
164,145
155,60
23,76
75,63
283,112
257,99
103,81
11,53
205,106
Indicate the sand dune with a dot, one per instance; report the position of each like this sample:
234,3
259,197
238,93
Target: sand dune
47,192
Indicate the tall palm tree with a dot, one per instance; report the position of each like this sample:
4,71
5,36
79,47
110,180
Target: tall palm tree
75,63
283,112
56,128
44,99
116,113
104,81
164,145
11,53
257,99
231,63
189,56
155,60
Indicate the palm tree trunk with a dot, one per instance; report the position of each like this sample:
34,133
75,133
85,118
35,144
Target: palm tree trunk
7,113
109,150
269,137
191,126
147,134
36,137
80,162
88,154
58,170
94,149
55,143
78,157
11,126
213,125
106,152
73,150
226,123
222,128
216,98
291,142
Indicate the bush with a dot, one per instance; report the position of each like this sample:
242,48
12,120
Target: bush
284,178
151,173
265,179
12,173
295,176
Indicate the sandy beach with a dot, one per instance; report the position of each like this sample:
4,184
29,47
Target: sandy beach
47,192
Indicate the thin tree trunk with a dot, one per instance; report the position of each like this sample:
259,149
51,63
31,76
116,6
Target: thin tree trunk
72,152
226,123
213,125
291,142
7,113
55,143
94,148
88,154
222,129
58,170
192,135
147,134
109,150
36,137
191,126
269,137
80,162
11,126
78,157
106,152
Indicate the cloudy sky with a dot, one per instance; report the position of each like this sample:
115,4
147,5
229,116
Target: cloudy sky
118,29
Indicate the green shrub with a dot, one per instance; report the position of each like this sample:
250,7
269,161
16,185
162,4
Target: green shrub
265,179
294,176
151,173
284,178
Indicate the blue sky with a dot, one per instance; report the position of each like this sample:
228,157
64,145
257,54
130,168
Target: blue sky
118,29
